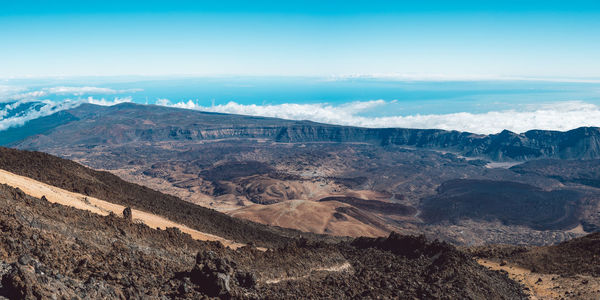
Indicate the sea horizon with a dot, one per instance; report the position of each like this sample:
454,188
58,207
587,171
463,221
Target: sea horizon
479,105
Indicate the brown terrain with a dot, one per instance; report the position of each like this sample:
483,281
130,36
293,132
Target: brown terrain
319,217
57,195
51,249
408,180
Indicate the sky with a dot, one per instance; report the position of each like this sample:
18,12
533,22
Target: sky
421,39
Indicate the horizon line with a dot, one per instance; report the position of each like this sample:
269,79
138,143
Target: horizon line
401,77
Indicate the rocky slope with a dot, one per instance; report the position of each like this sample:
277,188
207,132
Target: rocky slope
576,256
569,270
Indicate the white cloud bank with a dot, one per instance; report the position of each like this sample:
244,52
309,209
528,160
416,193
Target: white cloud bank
10,94
16,96
45,108
556,116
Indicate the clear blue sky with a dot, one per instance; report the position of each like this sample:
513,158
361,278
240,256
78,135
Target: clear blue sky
447,38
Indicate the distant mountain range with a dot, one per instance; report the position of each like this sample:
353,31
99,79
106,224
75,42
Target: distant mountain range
91,125
340,180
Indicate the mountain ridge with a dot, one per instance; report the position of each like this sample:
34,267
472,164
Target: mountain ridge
128,122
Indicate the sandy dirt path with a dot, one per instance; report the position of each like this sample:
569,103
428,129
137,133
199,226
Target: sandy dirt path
345,267
57,195
549,286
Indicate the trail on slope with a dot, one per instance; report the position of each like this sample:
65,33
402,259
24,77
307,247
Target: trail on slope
54,194
345,267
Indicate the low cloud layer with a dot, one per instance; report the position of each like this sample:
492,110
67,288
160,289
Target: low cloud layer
8,93
19,104
85,90
555,116
37,109
7,90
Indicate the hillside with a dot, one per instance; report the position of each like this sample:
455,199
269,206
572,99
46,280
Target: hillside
508,202
57,195
311,216
103,185
570,269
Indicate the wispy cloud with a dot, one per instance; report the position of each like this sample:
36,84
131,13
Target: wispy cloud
33,112
555,116
7,90
316,112
45,108
63,90
78,91
104,102
24,104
